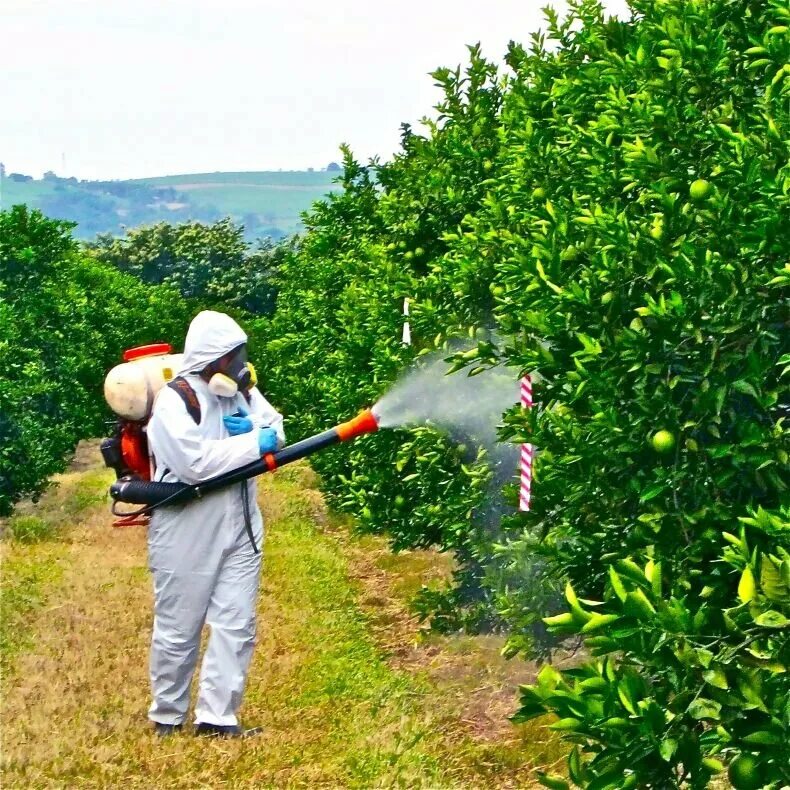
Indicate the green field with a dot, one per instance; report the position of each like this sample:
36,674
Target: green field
288,178
277,197
267,202
28,192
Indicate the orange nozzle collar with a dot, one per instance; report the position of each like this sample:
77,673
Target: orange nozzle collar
364,422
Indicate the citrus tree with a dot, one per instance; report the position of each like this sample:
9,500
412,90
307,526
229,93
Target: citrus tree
64,321
211,262
616,208
637,240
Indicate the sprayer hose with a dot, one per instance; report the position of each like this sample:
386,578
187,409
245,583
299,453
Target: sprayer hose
142,492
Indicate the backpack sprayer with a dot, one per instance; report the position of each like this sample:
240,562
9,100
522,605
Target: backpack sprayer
131,389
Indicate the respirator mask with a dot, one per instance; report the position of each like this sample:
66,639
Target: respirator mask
232,374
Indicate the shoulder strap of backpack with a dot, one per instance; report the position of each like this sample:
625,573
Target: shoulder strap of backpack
187,394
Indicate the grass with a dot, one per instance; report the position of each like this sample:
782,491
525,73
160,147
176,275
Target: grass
34,551
28,575
349,693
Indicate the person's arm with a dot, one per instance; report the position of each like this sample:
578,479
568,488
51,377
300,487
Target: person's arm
178,445
264,415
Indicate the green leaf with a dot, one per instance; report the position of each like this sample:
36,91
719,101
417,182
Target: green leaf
763,738
637,605
668,748
704,656
601,645
617,584
594,684
623,692
576,766
746,388
772,619
628,568
573,602
548,677
772,583
702,708
553,781
652,491
713,765
746,586
716,677
567,724
559,620
598,621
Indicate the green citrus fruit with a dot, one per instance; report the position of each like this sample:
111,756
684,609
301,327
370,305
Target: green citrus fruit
419,252
700,189
487,165
539,193
744,773
399,501
497,290
408,255
662,441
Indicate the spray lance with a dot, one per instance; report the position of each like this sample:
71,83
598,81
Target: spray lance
131,389
153,495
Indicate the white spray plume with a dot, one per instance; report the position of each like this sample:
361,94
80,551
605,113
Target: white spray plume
469,408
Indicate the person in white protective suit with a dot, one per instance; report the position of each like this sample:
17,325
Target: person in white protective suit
205,555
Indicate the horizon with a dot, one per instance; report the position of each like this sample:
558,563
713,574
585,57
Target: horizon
8,171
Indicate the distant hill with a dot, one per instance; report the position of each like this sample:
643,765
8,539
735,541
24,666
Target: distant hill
268,203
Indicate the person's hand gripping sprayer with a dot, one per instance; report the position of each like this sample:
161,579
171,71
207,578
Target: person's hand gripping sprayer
205,554
240,423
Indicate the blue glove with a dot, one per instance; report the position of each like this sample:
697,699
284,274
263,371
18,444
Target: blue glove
238,423
267,440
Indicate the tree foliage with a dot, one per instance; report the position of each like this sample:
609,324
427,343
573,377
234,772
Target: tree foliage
64,321
210,262
617,209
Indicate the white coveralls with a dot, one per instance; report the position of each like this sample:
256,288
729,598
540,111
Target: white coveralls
204,568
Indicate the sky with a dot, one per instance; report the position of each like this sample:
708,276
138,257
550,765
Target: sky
106,89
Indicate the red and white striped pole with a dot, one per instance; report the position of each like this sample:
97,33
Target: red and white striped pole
525,493
406,337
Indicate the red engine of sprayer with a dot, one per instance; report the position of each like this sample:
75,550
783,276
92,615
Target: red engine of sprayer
134,449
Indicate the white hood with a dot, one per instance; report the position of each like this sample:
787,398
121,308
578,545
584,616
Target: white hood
210,336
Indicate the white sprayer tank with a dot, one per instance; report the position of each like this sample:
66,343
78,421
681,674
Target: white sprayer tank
130,388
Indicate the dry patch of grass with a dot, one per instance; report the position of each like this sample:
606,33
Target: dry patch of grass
36,546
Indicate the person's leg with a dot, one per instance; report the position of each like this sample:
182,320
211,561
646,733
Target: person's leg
181,600
231,616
